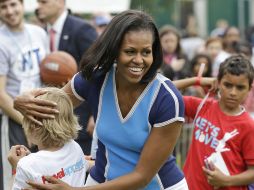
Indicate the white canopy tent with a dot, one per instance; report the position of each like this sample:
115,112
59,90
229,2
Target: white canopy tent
87,6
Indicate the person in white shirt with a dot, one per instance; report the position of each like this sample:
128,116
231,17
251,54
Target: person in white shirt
22,47
59,155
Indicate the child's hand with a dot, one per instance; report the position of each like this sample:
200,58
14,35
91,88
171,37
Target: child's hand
16,153
211,82
215,177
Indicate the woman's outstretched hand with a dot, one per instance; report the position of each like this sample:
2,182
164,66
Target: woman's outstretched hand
53,184
33,108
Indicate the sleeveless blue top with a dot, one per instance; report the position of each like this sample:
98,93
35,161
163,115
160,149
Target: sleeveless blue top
121,140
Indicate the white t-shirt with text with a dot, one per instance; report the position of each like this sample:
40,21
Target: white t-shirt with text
67,164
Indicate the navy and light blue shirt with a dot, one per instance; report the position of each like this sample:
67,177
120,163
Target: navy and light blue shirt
121,140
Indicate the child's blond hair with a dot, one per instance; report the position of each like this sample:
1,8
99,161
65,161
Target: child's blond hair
55,132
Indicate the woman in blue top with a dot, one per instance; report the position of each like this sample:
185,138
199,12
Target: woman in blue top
138,112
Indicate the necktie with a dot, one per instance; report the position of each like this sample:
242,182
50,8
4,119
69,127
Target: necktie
52,33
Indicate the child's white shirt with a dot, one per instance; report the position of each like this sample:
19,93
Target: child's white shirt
67,164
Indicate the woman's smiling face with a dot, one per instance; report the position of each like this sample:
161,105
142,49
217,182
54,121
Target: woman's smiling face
135,56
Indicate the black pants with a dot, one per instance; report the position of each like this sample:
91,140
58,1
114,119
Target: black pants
16,136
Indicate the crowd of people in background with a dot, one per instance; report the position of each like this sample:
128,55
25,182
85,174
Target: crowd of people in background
182,55
185,54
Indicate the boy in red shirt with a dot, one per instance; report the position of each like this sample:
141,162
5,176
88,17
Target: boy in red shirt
221,155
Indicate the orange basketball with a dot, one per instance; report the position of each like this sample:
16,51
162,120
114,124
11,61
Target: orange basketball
57,68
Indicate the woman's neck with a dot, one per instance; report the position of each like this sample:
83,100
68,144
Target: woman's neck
126,86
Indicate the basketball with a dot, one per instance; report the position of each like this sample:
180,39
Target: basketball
57,68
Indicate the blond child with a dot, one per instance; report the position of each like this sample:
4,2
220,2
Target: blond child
59,155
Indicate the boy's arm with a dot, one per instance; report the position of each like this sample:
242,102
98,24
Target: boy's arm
6,103
202,81
217,179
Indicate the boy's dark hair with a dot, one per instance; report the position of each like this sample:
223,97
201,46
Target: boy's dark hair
237,65
105,50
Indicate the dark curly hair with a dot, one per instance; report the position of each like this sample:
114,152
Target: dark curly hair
237,65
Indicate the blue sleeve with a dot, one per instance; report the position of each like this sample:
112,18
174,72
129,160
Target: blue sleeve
88,90
168,106
80,87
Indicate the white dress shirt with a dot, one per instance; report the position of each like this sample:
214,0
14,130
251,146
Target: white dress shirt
57,27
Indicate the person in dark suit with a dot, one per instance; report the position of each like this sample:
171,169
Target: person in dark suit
74,36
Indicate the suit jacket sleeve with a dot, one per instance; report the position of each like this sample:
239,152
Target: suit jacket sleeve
87,35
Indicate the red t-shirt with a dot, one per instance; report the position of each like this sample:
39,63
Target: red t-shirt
211,124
